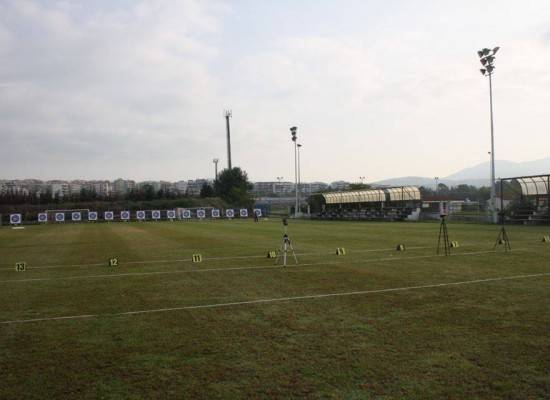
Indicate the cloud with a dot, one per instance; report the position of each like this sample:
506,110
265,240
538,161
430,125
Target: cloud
81,73
138,87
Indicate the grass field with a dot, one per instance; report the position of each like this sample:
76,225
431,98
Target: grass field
372,323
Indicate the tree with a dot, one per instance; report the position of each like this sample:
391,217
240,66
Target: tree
233,186
207,190
359,186
148,192
442,189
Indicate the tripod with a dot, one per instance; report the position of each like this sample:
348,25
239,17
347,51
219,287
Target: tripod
285,246
502,236
443,231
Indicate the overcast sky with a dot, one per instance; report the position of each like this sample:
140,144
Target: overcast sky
378,89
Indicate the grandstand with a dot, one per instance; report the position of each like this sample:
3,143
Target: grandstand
530,198
383,204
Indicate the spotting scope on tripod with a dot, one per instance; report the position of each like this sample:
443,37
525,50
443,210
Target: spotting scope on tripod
285,246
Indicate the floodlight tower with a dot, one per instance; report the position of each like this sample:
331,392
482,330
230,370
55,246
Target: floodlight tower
487,57
294,139
299,180
228,114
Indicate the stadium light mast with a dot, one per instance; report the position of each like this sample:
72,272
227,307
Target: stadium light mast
294,139
299,180
228,114
486,58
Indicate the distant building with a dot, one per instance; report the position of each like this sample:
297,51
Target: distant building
312,187
340,185
276,188
101,188
180,187
123,185
272,188
59,189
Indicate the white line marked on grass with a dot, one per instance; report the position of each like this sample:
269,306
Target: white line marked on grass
280,299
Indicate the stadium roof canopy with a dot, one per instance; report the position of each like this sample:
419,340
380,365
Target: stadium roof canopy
401,193
534,185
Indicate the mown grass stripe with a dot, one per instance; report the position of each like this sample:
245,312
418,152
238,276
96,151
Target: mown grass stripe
279,299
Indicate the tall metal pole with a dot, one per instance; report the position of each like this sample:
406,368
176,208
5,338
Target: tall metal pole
295,180
493,205
487,57
228,115
294,139
299,180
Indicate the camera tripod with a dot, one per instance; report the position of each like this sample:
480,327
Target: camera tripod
502,236
443,230
285,246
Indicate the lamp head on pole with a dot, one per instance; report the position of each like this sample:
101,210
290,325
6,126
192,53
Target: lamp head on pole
486,58
293,133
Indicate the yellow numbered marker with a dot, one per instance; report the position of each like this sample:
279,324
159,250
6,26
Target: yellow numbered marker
20,266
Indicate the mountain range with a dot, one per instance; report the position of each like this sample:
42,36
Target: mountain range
477,175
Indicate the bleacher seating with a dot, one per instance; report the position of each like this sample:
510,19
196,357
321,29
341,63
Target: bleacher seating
529,215
366,214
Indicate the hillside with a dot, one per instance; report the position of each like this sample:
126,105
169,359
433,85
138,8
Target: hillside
477,175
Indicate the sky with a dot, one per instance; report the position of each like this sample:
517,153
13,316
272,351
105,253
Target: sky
378,89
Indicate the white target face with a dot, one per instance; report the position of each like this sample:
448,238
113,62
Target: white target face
42,217
186,214
109,215
201,214
15,218
140,215
156,214
170,214
243,213
92,216
59,217
125,215
76,216
229,213
215,213
258,212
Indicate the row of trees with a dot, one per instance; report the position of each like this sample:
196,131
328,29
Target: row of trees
460,192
